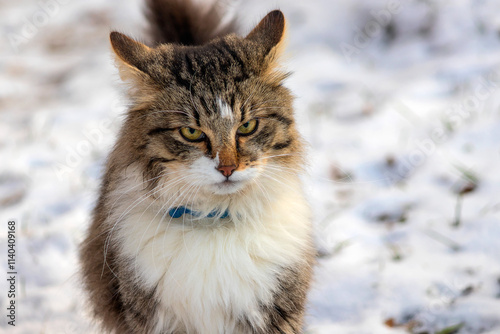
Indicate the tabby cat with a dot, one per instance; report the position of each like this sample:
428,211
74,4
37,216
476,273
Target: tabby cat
201,225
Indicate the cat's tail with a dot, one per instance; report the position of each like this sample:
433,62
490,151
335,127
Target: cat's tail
184,22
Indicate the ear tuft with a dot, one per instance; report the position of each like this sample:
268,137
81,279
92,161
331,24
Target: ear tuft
131,52
270,31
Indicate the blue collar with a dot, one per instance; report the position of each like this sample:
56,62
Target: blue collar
180,210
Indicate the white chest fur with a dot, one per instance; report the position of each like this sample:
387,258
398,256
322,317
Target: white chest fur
208,276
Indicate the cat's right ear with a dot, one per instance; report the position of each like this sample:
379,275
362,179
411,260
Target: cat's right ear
135,61
132,53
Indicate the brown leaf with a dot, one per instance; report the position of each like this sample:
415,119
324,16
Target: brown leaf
390,322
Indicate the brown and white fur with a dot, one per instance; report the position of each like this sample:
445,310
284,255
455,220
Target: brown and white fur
145,272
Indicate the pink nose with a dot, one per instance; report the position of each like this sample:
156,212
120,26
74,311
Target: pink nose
226,170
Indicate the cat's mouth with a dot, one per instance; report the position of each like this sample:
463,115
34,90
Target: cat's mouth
227,187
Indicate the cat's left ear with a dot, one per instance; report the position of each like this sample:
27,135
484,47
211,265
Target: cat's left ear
269,34
270,31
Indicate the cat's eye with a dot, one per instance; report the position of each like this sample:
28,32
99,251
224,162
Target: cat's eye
248,128
191,134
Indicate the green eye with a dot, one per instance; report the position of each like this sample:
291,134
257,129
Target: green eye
248,128
191,134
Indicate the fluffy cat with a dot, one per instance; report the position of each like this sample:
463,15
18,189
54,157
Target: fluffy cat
201,224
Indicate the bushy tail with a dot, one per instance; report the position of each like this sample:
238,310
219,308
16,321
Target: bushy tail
183,22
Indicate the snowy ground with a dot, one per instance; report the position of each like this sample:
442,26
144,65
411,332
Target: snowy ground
399,100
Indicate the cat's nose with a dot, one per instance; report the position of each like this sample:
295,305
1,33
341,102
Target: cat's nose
226,170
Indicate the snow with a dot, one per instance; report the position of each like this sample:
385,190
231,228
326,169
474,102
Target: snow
400,104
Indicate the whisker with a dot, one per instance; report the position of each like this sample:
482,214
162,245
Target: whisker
141,199
165,205
264,191
164,234
277,155
135,186
276,179
164,190
129,208
111,209
184,218
289,171
168,223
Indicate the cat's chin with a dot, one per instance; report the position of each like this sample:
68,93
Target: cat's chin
227,187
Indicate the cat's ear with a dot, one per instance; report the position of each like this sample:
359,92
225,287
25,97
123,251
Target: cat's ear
270,31
269,34
129,51
135,63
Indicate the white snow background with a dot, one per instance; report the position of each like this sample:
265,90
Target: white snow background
399,100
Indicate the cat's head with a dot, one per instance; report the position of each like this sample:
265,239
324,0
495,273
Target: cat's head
213,118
